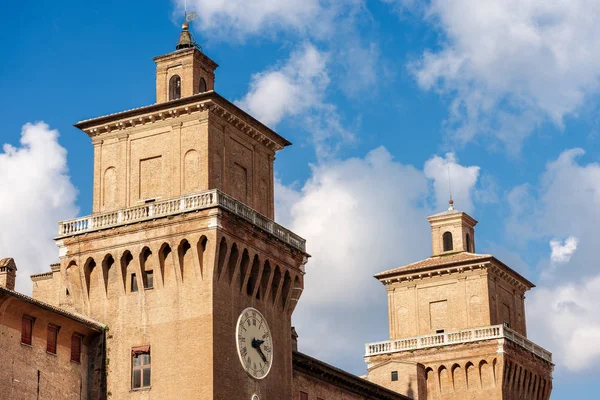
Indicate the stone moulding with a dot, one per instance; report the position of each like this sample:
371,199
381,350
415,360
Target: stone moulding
185,204
453,338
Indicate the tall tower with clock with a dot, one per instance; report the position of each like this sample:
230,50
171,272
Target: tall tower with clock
181,258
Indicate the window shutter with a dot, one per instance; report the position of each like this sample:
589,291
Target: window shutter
76,348
26,328
51,339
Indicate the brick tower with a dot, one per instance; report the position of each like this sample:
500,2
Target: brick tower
181,242
457,324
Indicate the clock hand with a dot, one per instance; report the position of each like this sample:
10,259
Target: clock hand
256,344
261,354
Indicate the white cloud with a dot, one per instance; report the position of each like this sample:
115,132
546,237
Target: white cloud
36,194
561,253
511,65
446,173
240,18
563,310
360,216
297,89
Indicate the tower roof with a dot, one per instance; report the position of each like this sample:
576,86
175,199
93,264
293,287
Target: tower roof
185,38
8,262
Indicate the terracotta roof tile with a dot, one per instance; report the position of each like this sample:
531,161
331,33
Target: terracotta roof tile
437,261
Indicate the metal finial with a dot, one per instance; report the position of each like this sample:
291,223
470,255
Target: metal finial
451,202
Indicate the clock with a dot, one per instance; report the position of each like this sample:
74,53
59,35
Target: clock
254,343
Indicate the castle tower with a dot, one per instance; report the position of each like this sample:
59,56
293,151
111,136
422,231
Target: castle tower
457,324
8,273
181,251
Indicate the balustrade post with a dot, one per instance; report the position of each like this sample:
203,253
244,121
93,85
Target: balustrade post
182,204
90,223
120,217
151,210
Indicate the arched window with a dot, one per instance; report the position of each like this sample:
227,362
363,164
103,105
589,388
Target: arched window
468,243
447,238
202,86
174,87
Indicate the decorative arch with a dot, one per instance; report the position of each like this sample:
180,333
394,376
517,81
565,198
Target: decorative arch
459,379
472,376
431,384
91,277
127,270
201,246
147,268
264,281
111,276
244,268
202,87
253,277
109,188
175,87
232,263
447,241
275,283
74,286
444,380
166,264
222,256
486,374
186,260
191,171
285,289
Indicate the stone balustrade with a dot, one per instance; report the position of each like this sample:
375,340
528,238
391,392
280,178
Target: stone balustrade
457,337
184,204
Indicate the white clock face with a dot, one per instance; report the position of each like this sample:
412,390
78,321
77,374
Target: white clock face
254,343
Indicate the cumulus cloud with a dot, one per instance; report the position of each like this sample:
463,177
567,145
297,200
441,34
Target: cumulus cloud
297,88
36,194
360,216
239,19
510,65
563,204
561,253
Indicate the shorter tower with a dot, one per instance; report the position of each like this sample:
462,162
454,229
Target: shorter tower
457,324
8,273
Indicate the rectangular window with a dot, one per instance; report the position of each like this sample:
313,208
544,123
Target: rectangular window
76,340
140,367
134,285
26,329
303,396
149,284
394,375
52,338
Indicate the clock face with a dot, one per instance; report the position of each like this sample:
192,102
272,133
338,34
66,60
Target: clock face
254,343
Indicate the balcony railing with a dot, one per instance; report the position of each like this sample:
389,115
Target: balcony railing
458,337
159,209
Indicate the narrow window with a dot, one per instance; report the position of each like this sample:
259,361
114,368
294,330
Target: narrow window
174,87
468,243
202,86
52,338
140,367
394,376
439,331
134,285
149,283
26,329
76,340
303,396
447,239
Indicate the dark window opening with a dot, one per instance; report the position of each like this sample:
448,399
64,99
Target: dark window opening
468,243
140,367
202,86
394,375
26,329
175,87
447,239
67,292
303,396
149,281
76,340
52,338
134,285
438,331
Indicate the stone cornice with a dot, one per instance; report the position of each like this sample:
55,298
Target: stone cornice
208,101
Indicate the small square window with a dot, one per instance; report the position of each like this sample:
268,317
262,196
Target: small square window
27,329
149,284
134,285
52,338
303,396
394,375
140,367
438,331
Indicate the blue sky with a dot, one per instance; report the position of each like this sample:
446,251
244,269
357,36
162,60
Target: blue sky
379,98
